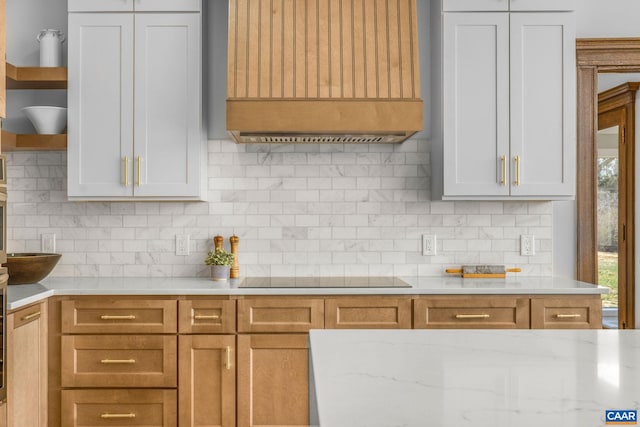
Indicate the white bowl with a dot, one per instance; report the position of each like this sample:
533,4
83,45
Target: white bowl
47,120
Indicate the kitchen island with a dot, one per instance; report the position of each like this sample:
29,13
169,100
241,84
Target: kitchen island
461,378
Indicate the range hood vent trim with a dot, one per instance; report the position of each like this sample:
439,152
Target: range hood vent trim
313,71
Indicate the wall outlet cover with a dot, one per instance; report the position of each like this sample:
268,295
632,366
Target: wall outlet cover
48,243
429,245
182,244
527,245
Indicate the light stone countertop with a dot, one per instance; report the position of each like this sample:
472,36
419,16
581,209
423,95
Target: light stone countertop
21,295
479,378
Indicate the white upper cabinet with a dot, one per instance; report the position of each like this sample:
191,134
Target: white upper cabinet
505,5
506,90
476,103
100,103
543,105
135,105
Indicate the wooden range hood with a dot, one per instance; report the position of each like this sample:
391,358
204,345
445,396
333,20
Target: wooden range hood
323,71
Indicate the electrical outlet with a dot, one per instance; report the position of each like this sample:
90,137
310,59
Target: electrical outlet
182,244
527,244
48,242
428,244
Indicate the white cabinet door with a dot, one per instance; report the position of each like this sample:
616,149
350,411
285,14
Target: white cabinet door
100,96
475,5
543,103
168,128
476,103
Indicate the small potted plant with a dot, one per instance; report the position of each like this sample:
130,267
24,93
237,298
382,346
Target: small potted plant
221,262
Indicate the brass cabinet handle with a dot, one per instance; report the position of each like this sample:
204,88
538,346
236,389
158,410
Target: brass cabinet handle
108,415
126,171
125,317
503,161
30,316
118,361
517,181
139,170
228,366
472,316
568,316
206,316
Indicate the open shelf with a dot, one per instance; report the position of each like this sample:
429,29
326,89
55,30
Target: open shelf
36,77
33,142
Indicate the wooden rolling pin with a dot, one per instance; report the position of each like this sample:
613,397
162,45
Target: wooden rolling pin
482,271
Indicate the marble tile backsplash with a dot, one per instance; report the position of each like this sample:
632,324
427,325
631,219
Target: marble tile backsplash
298,210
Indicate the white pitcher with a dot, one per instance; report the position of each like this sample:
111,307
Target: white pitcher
50,47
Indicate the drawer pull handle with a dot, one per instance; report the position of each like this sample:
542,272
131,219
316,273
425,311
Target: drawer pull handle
118,361
30,316
108,415
206,316
228,358
125,317
472,316
568,316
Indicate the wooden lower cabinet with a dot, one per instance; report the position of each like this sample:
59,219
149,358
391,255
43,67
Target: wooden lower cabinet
207,388
368,312
27,367
566,312
3,414
481,312
273,380
148,408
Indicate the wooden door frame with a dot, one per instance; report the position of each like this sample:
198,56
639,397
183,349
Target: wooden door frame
617,107
593,56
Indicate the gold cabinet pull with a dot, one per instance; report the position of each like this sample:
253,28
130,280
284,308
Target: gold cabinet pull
472,316
517,181
139,170
30,316
206,316
118,361
568,316
127,415
126,171
503,162
113,317
228,366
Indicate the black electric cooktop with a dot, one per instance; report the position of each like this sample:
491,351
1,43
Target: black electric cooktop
324,282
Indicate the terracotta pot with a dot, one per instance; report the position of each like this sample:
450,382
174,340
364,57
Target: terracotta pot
219,272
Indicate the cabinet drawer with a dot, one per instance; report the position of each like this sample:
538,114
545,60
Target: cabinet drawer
27,315
566,312
207,316
368,312
280,315
118,361
149,408
472,313
107,316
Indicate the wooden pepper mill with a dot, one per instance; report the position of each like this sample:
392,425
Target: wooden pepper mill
235,269
217,242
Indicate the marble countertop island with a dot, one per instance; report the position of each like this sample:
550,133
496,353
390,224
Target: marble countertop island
21,295
456,378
